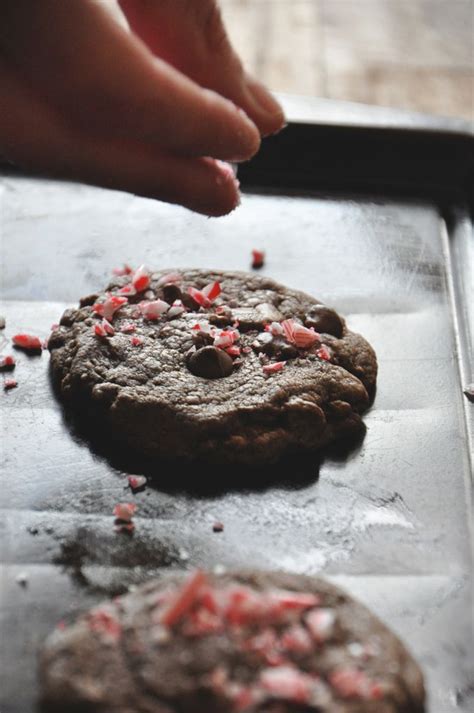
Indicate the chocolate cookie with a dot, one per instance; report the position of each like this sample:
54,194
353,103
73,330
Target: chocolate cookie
216,366
252,642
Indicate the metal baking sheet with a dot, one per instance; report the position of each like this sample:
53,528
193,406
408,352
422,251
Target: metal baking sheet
388,520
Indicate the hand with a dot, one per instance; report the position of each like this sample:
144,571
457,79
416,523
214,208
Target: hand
154,111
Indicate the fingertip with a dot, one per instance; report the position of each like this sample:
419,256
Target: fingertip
264,108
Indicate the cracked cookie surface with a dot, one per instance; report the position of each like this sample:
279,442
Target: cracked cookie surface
215,366
248,641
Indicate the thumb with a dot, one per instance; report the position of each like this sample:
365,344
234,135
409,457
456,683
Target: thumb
191,36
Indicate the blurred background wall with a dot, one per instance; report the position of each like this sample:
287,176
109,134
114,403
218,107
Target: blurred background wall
411,54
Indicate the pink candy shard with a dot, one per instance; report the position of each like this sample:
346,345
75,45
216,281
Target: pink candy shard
136,341
353,683
120,271
124,511
128,328
109,307
141,279
212,291
320,623
233,351
272,368
128,290
105,624
207,295
136,481
7,363
153,310
184,599
225,338
258,258
171,278
295,333
296,639
324,353
103,329
28,342
288,683
9,384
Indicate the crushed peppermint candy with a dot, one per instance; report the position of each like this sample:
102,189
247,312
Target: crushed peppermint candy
299,335
7,363
136,482
324,353
171,278
258,259
28,342
296,639
224,338
136,341
103,328
153,310
176,309
274,367
141,279
183,601
275,329
128,290
207,295
287,683
320,623
120,271
218,527
105,624
128,328
124,511
353,683
109,306
10,384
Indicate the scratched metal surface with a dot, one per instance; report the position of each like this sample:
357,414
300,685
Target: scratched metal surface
389,520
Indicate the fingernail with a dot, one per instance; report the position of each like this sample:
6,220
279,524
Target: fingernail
267,104
226,173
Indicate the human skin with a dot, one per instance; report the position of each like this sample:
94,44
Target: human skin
156,110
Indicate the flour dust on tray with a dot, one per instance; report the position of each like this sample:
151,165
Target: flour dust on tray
248,642
216,366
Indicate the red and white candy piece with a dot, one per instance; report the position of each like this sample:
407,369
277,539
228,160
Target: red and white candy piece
105,624
153,310
353,683
274,367
10,384
301,336
225,338
320,623
136,341
120,271
258,258
124,511
176,309
287,683
207,295
7,363
128,328
141,279
324,353
136,481
296,639
171,278
184,599
128,290
103,329
28,342
109,306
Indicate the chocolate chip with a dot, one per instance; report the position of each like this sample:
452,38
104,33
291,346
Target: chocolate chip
283,350
210,363
171,292
325,320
